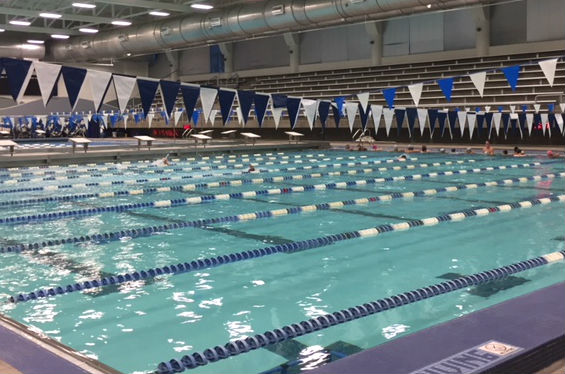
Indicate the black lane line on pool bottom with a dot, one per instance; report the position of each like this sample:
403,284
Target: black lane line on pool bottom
488,289
471,200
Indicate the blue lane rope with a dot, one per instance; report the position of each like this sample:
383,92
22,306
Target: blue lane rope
199,264
237,182
235,195
291,331
152,230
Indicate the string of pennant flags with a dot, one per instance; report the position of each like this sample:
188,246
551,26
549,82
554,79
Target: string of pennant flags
98,86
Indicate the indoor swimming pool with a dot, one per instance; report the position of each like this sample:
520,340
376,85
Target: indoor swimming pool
168,261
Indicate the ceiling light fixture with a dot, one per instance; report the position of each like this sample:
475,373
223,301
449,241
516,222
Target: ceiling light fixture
20,22
59,36
34,41
128,54
84,5
159,13
429,6
2,30
29,46
121,23
201,6
88,30
50,15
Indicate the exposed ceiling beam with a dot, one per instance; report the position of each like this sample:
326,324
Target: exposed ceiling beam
40,30
150,5
66,16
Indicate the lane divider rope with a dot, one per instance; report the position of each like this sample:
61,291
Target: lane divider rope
291,247
291,331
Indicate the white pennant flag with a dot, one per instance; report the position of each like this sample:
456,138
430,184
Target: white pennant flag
376,112
207,98
562,106
548,67
364,100
422,116
388,115
559,119
47,75
176,116
124,88
479,81
416,92
126,117
212,117
98,81
537,107
89,116
530,121
310,110
471,119
351,110
277,114
462,116
544,120
487,109
150,118
512,108
239,114
496,117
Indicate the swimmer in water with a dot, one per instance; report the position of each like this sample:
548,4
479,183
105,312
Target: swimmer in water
251,168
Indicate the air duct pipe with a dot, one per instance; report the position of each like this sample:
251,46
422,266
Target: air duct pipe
30,51
239,22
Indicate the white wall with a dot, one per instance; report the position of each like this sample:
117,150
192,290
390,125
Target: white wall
334,44
248,54
545,20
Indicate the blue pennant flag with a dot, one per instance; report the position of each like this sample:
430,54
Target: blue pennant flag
477,109
441,117
505,122
323,111
411,113
17,72
169,90
500,108
245,99
226,98
261,102
552,121
190,96
432,117
452,116
147,90
551,107
292,105
389,95
524,108
74,78
279,101
488,119
337,115
512,73
339,101
446,86
138,117
195,117
399,113
480,122
364,115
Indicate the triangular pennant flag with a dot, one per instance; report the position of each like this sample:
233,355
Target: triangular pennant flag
279,100
442,119
422,116
446,86
310,109
207,98
376,111
512,73
388,115
339,101
125,118
245,100
551,107
147,89
522,120
411,113
190,94
73,78
544,120
99,83
562,106
462,116
226,97
47,76
18,73
399,119
261,102
480,122
548,67
169,92
277,114
537,107
149,117
364,116
416,92
471,119
337,115
487,109
488,119
212,118
512,108
124,88
176,116
479,80
293,106
496,119
452,117
351,110
323,111
239,115
363,100
389,95
559,118
196,117
432,117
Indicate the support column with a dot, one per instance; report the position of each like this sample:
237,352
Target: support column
293,44
227,51
482,28
375,32
173,59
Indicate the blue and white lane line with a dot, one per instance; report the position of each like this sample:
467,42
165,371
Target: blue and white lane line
193,187
291,331
226,196
152,230
296,246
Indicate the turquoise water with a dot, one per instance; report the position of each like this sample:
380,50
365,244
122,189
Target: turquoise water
174,315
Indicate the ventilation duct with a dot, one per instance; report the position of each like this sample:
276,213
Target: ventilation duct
240,22
31,51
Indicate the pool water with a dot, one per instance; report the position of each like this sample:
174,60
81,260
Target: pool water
134,326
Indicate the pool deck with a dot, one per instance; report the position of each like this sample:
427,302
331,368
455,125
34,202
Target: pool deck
535,323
